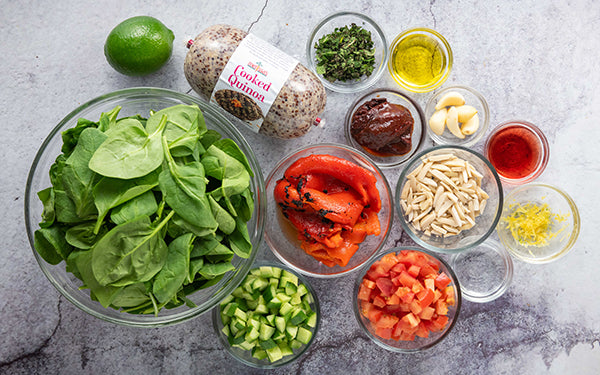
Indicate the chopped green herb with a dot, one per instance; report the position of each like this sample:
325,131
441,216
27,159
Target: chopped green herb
345,54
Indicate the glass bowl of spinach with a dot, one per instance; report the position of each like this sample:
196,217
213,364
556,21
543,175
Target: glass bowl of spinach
145,207
348,51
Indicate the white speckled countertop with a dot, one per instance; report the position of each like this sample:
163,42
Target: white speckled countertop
532,60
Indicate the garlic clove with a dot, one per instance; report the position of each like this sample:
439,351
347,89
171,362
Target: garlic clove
451,98
437,121
452,122
465,112
470,126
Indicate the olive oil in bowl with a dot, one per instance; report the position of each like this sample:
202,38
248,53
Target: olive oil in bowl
421,60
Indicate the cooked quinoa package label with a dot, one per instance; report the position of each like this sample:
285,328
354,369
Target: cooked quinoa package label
252,79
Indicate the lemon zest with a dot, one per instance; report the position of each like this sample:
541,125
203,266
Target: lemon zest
534,225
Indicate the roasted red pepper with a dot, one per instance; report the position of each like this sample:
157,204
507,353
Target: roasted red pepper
333,203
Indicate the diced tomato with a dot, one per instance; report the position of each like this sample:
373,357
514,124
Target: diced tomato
442,280
429,284
375,314
388,261
384,333
449,292
376,271
398,268
386,286
414,270
364,293
427,313
393,300
436,295
408,297
441,308
415,307
407,280
369,284
417,287
387,321
407,336
425,297
379,301
422,331
440,322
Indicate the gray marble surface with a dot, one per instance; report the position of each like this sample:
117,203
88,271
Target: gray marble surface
533,60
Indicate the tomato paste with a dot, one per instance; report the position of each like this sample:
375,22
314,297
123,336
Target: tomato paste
383,128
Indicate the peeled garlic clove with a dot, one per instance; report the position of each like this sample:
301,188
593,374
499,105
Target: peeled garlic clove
451,98
465,112
437,121
471,126
452,122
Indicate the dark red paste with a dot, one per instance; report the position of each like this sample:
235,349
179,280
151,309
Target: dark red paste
382,128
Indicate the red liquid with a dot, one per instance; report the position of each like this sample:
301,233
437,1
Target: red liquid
515,152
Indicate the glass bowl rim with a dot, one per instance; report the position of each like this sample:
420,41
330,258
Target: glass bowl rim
544,148
448,52
411,233
149,320
482,128
357,85
217,319
386,184
395,249
413,102
574,232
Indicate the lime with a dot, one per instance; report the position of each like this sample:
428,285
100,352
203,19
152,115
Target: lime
139,46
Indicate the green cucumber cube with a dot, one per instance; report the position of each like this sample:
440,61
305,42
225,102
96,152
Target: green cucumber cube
304,335
295,344
291,331
285,349
238,313
302,290
298,316
296,299
290,289
285,308
252,335
274,354
230,308
259,353
267,344
248,345
280,323
226,300
266,331
266,271
312,319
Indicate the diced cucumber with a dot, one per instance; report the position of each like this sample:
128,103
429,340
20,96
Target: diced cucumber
259,353
285,349
280,323
255,272
237,292
266,331
238,313
248,345
302,290
260,284
289,277
274,354
274,282
271,319
285,308
274,303
283,297
298,316
226,331
238,324
239,337
304,335
261,309
252,335
267,344
269,293
278,336
291,331
225,319
312,320
252,304
295,344
290,289
296,299
253,323
230,308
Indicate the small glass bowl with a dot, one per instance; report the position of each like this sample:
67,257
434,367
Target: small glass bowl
281,236
341,19
532,135
472,98
567,230
245,356
419,343
484,223
140,101
394,97
425,34
485,271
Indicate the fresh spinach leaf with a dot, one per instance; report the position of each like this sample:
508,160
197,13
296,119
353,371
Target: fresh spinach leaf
129,151
50,243
212,270
131,252
210,137
82,236
111,192
232,149
225,221
171,277
132,295
144,204
108,119
180,119
239,240
78,180
184,189
48,214
235,176
102,293
70,137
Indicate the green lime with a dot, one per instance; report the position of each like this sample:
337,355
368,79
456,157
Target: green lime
139,46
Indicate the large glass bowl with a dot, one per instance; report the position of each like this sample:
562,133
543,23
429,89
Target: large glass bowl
140,101
485,223
281,236
361,307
